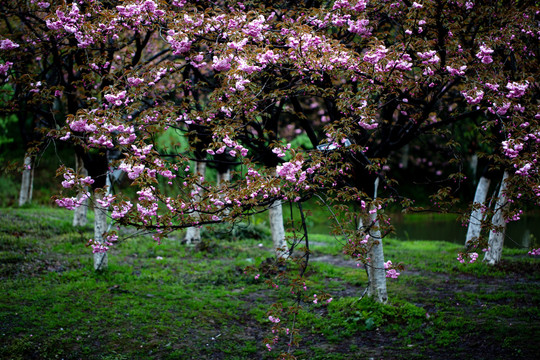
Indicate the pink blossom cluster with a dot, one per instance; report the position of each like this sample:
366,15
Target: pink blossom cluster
524,170
134,81
359,27
429,57
148,6
222,63
456,71
4,68
360,5
106,201
119,211
500,110
280,152
267,57
147,194
102,140
471,256
404,63
390,271
133,171
98,248
255,28
512,148
118,99
535,252
233,145
71,179
7,44
290,170
516,90
244,66
375,55
179,43
72,23
147,211
473,96
73,202
485,54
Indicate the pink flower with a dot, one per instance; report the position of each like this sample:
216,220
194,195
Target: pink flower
517,90
221,64
485,54
7,44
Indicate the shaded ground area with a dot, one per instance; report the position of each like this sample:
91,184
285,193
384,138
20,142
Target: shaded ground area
172,302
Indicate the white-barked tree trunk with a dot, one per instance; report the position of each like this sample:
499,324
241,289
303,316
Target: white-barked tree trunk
100,227
275,216
27,182
376,271
477,214
496,235
193,233
80,217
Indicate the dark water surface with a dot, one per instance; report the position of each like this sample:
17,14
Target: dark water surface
432,227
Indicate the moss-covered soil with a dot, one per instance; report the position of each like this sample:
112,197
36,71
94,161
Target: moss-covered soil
170,301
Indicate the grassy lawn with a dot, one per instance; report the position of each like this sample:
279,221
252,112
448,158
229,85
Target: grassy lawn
170,301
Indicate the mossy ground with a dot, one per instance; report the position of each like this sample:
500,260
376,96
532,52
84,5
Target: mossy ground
169,301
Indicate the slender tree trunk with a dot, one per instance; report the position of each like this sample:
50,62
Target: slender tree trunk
477,214
223,177
193,233
275,215
27,182
376,272
81,212
404,160
496,235
100,226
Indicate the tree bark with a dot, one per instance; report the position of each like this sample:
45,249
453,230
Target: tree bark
27,182
275,215
80,214
193,233
477,214
375,268
100,227
376,272
496,235
223,177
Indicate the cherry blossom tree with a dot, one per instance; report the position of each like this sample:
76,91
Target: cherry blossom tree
361,79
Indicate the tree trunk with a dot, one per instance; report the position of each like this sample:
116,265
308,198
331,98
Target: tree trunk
275,215
193,233
404,160
477,214
223,177
100,226
375,268
80,213
496,235
27,182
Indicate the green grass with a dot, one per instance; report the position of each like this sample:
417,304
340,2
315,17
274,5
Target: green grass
170,301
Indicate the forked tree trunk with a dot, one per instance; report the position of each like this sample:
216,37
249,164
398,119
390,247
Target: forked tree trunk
375,268
193,233
477,214
100,227
496,235
80,217
27,182
275,215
